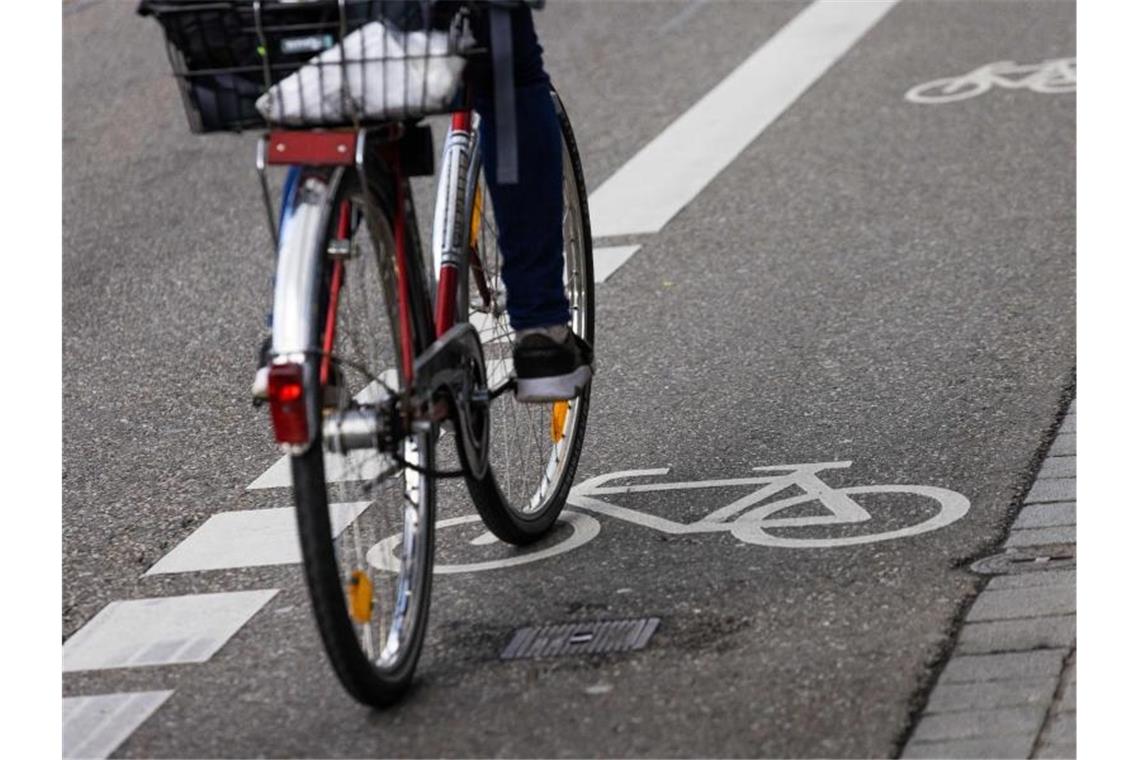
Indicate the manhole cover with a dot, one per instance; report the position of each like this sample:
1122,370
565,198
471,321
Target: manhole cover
598,637
1028,559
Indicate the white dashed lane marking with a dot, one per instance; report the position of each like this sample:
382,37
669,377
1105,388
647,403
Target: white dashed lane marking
94,727
161,631
607,259
248,538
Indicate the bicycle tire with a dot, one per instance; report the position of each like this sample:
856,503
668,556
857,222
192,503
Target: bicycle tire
372,675
494,494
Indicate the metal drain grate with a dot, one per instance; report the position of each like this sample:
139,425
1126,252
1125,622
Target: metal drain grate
1028,560
598,637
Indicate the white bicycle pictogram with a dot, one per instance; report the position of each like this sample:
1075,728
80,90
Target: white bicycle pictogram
751,519
1056,75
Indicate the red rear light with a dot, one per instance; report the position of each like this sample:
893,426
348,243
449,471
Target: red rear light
289,391
287,403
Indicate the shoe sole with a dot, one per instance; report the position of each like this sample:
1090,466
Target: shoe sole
538,390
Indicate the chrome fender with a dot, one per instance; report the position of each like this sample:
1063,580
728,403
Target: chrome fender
299,256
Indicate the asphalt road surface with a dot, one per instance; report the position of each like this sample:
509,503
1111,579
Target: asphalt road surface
870,280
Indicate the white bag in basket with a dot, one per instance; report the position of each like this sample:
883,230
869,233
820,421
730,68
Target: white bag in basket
418,73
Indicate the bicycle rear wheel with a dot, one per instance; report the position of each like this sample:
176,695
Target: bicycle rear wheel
372,620
534,448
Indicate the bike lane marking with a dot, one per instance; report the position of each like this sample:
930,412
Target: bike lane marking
94,726
248,538
672,169
760,508
1055,76
161,631
751,527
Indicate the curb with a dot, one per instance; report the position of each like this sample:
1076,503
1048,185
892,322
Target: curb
1009,687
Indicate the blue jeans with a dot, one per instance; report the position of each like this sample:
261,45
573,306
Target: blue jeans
529,212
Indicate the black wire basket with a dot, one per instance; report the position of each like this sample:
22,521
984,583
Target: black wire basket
248,64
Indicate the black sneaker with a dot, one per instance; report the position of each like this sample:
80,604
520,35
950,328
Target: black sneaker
551,364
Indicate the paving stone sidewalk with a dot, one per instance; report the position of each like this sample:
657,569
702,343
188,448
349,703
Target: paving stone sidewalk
1009,688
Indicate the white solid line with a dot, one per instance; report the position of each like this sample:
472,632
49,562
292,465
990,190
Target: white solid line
609,258
161,631
649,190
248,538
95,726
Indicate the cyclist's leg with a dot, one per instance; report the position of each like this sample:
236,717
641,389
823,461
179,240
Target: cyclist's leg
529,212
550,361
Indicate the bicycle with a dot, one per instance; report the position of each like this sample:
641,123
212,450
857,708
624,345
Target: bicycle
371,355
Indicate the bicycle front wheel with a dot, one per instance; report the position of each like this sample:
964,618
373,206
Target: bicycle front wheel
372,618
534,448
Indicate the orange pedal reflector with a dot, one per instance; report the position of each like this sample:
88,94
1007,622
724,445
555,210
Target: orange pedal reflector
360,597
558,420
